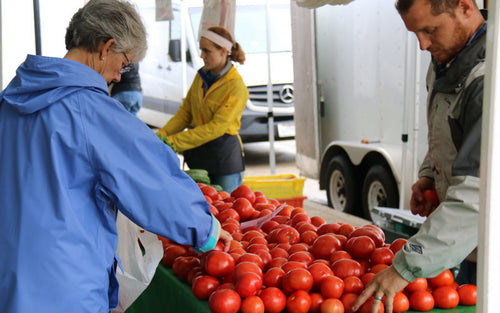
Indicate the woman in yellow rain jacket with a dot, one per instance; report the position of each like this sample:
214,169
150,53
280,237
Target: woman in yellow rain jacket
205,128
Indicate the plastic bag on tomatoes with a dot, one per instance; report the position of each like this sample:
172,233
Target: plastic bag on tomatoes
138,268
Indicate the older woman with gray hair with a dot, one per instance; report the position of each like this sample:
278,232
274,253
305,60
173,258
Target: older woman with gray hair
71,157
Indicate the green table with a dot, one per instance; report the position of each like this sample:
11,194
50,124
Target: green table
167,293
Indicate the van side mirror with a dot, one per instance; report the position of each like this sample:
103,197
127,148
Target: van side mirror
174,50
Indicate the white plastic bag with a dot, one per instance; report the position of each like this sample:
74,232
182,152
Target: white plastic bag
218,13
138,269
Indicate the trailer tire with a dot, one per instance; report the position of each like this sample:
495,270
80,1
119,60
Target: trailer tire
342,186
379,189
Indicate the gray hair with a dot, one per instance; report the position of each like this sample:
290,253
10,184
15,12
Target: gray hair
101,20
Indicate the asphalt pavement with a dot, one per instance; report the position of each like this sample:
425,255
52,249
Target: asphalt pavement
257,163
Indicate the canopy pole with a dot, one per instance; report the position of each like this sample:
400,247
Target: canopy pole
38,37
270,116
488,273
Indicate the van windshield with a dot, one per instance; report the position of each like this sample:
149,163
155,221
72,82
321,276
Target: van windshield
250,27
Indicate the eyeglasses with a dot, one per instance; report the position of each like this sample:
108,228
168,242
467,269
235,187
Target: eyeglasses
127,67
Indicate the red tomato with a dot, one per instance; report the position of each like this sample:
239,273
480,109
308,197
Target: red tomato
302,256
316,300
297,279
367,307
326,228
445,297
377,236
171,253
273,277
418,284
467,294
286,211
360,246
308,237
274,299
397,244
400,303
281,219
342,239
267,226
222,206
183,264
288,234
244,208
203,286
193,273
300,217
340,254
291,265
298,302
244,191
382,255
302,227
224,194
244,267
348,300
226,214
421,300
431,196
353,284
252,233
378,268
346,230
259,240
332,306
252,304
332,287
319,271
298,247
277,262
366,278
253,248
445,278
248,284
219,263
210,191
278,252
347,267
317,221
224,301
324,246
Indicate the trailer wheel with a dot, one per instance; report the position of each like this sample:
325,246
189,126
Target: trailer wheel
341,187
379,189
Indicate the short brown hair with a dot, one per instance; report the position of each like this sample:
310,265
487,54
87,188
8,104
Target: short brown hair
437,6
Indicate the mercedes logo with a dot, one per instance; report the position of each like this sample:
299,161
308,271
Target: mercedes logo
286,94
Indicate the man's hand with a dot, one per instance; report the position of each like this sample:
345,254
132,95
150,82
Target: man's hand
418,204
225,237
385,283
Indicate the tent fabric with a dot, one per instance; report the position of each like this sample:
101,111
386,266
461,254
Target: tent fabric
311,4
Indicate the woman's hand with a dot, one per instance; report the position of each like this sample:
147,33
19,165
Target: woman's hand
225,237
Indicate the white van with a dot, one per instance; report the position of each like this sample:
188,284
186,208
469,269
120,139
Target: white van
167,73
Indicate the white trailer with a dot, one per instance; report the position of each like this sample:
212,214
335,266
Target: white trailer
359,80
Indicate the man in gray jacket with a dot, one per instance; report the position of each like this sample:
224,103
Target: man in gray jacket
454,33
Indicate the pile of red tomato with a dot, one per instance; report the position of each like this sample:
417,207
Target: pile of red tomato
290,261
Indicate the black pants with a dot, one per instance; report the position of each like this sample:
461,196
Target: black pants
467,273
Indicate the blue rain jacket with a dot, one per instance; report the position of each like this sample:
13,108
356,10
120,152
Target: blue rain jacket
70,157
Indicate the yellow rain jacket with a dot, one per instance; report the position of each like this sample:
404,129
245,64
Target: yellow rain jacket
208,117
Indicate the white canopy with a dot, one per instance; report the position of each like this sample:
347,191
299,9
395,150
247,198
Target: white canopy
317,3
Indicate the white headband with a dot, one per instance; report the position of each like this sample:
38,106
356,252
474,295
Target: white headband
218,39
